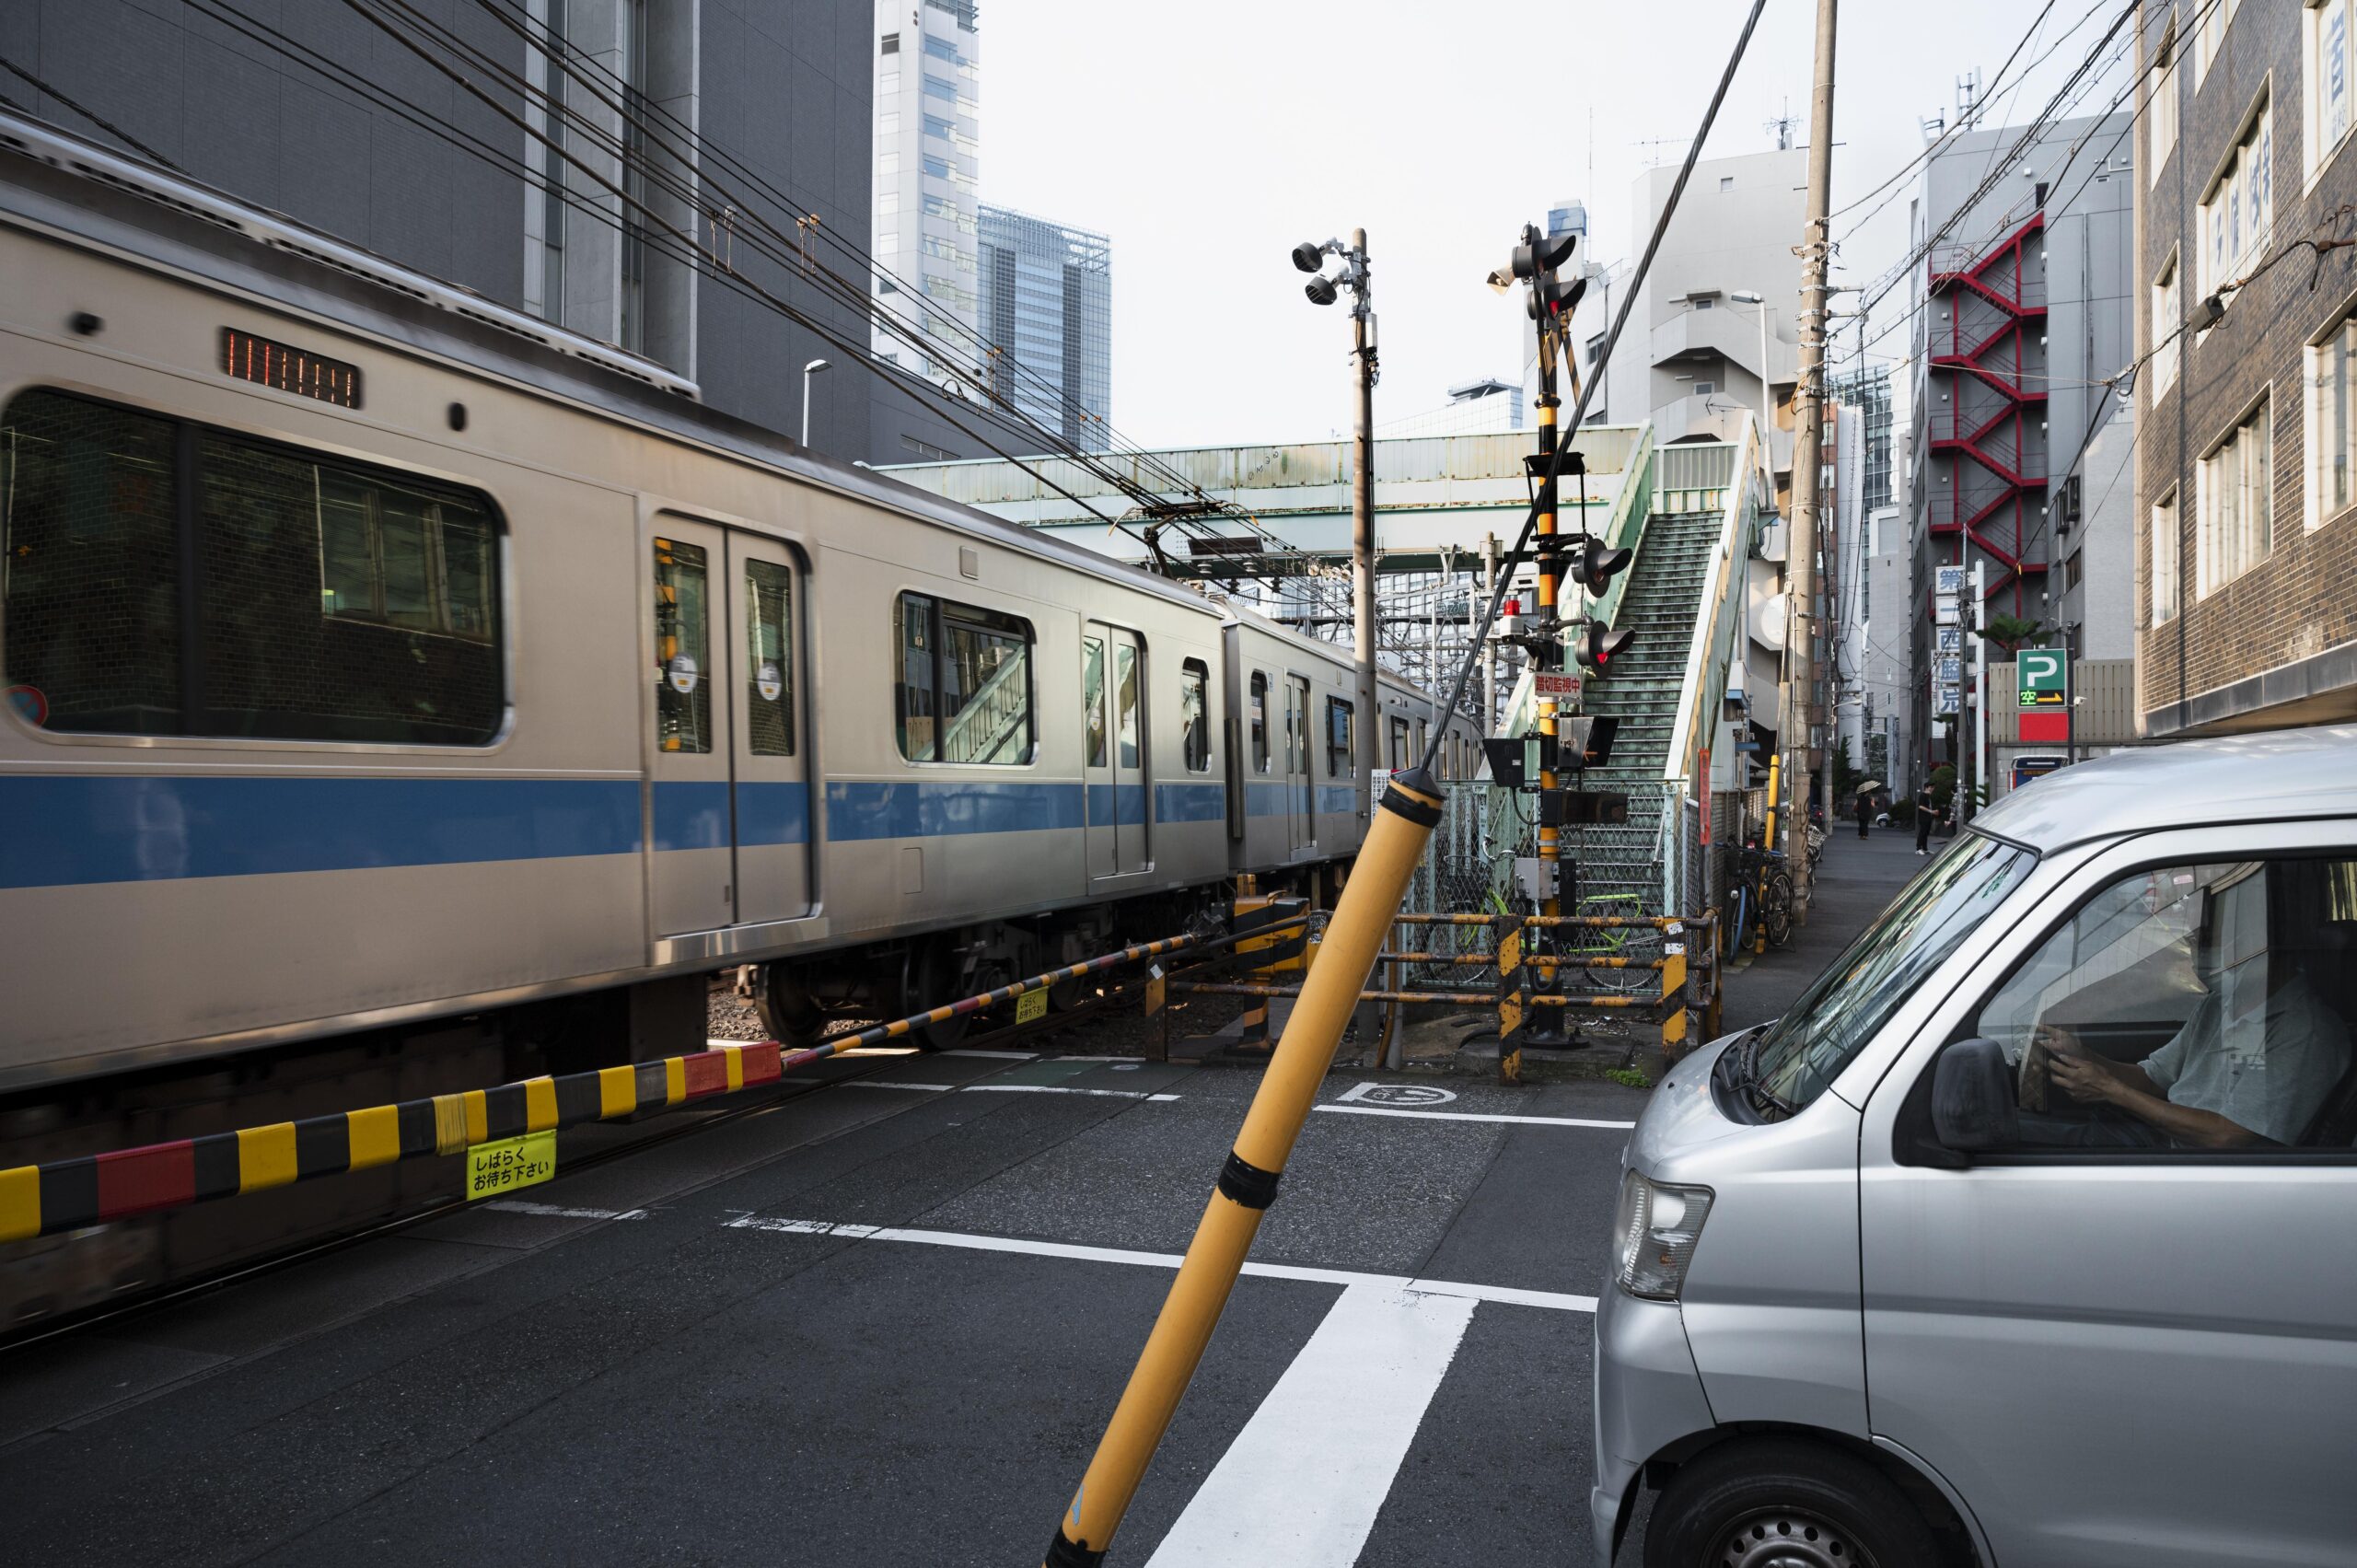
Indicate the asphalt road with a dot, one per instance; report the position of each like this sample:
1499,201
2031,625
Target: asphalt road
884,1321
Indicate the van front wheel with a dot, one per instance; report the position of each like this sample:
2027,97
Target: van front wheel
1787,1503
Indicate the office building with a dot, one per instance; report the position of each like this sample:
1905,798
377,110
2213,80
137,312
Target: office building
2245,486
928,155
323,117
2020,316
1046,310
1474,407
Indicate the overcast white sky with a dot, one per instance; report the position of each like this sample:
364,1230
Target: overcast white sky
1207,139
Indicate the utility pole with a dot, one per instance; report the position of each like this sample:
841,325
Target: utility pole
1800,643
1362,366
1480,634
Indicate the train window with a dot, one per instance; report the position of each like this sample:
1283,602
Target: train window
682,647
769,661
1423,739
1260,723
1398,743
1092,697
321,599
1125,676
1339,740
964,682
92,566
1194,714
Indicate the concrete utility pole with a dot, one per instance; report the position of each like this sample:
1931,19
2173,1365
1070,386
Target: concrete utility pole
1800,643
1363,611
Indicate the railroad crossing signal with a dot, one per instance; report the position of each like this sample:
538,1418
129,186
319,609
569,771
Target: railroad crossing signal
2043,694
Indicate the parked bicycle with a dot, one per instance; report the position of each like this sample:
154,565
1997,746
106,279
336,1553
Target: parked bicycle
1761,901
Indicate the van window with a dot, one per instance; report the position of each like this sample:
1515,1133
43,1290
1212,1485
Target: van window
2190,1007
1803,1050
962,683
166,578
1194,714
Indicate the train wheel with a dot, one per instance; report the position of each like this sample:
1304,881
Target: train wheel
938,980
793,1019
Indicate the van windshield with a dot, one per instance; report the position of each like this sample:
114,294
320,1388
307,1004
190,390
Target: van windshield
1803,1050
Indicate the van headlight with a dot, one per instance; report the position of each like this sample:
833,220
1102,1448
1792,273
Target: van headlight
1656,1229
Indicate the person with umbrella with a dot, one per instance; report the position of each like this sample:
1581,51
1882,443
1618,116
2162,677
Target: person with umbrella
1867,805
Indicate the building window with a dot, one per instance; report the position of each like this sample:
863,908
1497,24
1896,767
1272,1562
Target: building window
2210,35
935,125
962,683
941,49
1194,715
892,43
936,166
2168,319
2238,528
940,87
1340,748
163,578
1704,388
1726,182
2160,101
2329,54
2238,212
2162,551
2332,422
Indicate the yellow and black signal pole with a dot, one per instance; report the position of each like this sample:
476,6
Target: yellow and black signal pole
1396,831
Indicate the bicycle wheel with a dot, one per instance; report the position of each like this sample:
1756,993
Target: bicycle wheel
1776,909
1735,930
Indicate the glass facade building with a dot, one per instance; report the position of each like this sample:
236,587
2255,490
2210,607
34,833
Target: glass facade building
1868,391
928,63
1047,309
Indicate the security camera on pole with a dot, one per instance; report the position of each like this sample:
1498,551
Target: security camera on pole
1545,633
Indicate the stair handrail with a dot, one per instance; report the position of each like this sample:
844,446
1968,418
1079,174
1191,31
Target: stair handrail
1001,703
1624,526
1702,689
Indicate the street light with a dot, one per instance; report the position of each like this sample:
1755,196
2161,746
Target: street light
1767,396
807,371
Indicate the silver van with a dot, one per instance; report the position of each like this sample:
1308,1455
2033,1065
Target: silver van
2029,1236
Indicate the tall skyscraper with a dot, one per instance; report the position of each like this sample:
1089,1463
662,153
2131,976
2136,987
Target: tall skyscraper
1047,310
928,154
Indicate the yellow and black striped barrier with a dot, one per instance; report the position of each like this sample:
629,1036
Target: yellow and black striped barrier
60,1195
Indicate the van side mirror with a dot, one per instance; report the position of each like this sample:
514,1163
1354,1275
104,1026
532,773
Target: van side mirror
1972,1097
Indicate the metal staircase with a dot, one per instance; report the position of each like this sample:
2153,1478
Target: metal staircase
1642,688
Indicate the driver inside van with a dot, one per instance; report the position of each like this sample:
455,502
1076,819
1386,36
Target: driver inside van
2253,1064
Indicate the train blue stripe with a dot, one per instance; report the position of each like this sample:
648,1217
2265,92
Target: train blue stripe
1332,798
771,813
64,829
948,808
1189,802
691,814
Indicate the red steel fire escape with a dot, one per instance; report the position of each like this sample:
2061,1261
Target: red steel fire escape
1998,443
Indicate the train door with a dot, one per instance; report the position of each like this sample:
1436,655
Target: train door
1300,789
1112,677
730,819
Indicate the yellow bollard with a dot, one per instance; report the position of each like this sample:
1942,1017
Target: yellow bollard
1247,1184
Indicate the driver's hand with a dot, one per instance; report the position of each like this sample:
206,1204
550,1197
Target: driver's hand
2087,1079
2061,1043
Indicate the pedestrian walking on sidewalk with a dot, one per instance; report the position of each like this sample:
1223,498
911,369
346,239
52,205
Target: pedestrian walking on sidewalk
1866,811
1923,821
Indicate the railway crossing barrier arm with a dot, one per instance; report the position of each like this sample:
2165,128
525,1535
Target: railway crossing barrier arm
43,1200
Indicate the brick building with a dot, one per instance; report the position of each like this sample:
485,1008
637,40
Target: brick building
2247,492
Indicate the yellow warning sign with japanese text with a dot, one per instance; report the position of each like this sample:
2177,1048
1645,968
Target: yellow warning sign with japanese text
511,1163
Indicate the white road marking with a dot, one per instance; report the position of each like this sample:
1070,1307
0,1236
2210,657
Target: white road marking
1559,1301
1304,1480
1057,1089
997,1088
1423,1095
1009,1055
1469,1116
559,1212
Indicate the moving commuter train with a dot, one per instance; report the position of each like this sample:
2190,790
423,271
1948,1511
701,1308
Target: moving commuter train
383,663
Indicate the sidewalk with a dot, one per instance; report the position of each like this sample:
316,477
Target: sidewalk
1856,879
